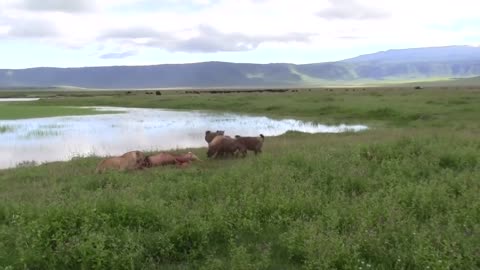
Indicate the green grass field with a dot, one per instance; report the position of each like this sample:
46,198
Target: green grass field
21,110
385,106
403,195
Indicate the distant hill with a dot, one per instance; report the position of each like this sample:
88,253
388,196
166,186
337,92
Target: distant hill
178,75
433,54
393,65
459,82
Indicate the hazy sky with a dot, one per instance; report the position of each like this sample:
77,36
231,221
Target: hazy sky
72,33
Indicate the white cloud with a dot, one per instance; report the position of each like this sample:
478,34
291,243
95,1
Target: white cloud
58,5
238,24
206,39
202,2
32,29
352,10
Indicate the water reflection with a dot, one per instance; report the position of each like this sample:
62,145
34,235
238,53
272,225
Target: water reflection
61,138
17,99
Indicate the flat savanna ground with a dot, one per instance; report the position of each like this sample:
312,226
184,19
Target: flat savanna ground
402,195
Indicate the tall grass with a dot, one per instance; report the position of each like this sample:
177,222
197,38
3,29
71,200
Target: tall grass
402,197
39,133
6,128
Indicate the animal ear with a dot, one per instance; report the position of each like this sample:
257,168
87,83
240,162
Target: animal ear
208,131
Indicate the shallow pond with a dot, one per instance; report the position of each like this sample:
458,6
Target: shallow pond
17,99
61,138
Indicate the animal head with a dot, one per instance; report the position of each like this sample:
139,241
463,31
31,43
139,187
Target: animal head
209,136
141,159
139,155
146,162
192,156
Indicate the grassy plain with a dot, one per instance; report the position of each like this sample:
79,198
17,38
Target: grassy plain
437,106
21,110
403,195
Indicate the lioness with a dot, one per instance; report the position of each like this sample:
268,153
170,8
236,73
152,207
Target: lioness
128,161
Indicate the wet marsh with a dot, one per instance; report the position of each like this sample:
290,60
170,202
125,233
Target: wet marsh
64,137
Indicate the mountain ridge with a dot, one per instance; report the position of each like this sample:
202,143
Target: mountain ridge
390,65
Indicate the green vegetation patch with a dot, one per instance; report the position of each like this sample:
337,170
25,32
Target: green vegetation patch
39,133
387,106
6,128
22,110
402,195
390,200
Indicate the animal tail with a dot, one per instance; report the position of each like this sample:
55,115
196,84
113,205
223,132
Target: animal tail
263,137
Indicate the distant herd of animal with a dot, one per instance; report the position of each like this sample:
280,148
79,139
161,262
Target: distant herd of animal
219,145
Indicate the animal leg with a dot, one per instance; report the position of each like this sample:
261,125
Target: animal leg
183,164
